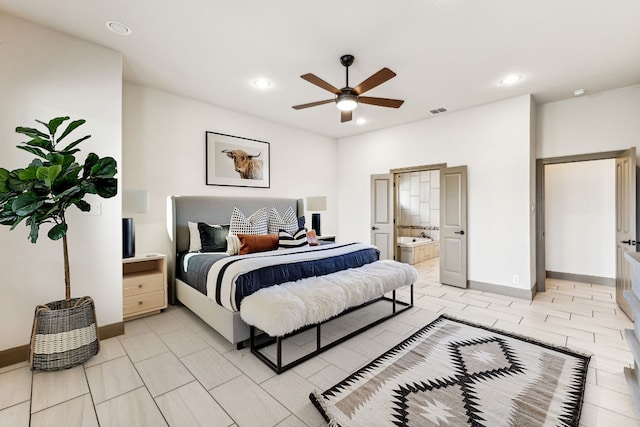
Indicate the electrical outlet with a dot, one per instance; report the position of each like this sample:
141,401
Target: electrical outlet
516,279
96,208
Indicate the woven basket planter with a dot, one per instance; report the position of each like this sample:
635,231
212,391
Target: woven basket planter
63,337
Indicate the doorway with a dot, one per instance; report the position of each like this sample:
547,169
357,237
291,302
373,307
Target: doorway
420,214
625,216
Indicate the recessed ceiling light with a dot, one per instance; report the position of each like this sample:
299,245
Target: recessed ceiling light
579,92
510,79
118,28
262,83
361,121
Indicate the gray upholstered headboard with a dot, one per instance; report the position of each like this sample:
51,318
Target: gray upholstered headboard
214,210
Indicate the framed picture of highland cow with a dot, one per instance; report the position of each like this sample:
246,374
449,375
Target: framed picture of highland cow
236,161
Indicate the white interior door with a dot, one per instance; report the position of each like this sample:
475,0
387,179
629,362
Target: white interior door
453,226
625,223
382,230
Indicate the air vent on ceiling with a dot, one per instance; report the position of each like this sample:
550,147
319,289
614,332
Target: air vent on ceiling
438,110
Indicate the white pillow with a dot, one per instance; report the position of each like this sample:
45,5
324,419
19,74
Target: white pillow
255,224
287,222
195,245
233,244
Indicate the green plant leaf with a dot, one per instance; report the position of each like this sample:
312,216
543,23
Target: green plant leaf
104,168
28,173
7,215
71,127
82,205
48,174
106,187
57,231
55,158
33,150
33,232
91,160
26,203
40,142
55,123
31,132
74,143
16,184
4,177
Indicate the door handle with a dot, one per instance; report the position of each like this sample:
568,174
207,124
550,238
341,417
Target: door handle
461,232
375,228
629,242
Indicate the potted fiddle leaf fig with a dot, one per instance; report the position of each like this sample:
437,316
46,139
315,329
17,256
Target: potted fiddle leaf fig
64,332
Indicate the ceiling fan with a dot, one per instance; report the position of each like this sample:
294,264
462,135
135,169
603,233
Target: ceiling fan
347,98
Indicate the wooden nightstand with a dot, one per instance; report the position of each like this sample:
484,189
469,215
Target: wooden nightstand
144,285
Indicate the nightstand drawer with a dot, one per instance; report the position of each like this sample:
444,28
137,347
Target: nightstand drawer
143,302
143,282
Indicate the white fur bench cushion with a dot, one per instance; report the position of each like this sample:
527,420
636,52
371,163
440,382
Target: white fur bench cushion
279,310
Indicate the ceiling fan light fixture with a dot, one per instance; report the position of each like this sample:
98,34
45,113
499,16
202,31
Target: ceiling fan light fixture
347,102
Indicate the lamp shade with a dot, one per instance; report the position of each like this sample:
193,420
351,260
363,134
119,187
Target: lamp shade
316,203
135,201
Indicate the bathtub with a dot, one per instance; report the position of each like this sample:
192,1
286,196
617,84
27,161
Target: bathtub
413,250
410,242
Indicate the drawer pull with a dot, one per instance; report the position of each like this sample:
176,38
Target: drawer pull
140,286
139,302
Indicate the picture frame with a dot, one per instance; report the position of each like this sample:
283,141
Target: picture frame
237,161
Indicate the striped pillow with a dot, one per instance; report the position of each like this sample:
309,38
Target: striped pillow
296,240
287,222
255,224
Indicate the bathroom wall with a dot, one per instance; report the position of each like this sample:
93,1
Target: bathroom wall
419,203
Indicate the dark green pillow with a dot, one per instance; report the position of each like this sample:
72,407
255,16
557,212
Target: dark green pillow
213,237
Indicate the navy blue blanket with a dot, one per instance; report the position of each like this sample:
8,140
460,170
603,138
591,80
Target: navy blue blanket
239,276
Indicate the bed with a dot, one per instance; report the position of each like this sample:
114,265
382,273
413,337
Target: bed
221,312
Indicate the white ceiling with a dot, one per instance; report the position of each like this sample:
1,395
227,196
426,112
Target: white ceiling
445,52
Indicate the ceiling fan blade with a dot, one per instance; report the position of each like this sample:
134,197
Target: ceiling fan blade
312,104
382,102
373,81
346,116
312,78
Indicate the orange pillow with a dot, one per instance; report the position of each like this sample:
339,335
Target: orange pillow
312,238
250,243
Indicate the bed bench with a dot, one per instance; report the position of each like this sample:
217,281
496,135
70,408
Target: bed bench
292,308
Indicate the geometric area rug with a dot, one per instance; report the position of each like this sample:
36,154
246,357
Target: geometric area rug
455,373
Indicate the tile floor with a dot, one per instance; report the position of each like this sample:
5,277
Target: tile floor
172,369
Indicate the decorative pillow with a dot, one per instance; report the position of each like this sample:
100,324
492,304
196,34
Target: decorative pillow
287,222
251,243
312,238
288,241
194,237
255,224
213,237
301,222
233,244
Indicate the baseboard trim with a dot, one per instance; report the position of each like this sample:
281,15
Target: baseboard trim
582,278
19,354
508,291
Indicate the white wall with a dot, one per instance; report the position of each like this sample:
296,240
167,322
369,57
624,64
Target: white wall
164,153
494,141
594,123
580,218
600,122
45,74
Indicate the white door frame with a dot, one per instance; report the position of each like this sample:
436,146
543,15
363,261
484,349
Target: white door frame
541,271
